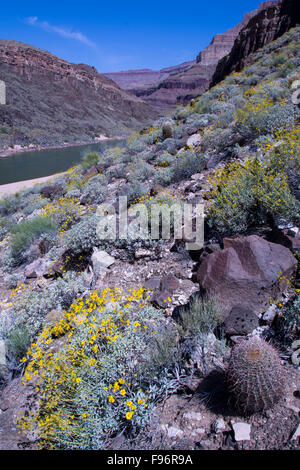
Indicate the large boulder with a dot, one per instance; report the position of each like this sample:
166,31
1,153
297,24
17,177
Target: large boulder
248,272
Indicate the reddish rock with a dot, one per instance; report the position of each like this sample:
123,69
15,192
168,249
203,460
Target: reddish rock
169,283
247,272
52,191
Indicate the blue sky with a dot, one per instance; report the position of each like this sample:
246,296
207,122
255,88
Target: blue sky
121,35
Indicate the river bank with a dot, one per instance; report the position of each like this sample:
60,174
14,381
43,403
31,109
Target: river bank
35,148
13,188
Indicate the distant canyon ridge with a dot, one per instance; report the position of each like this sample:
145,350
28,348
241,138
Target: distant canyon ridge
166,88
51,102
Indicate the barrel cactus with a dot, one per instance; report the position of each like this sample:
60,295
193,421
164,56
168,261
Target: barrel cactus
255,376
167,130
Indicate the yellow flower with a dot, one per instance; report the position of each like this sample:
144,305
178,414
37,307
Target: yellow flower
129,415
111,399
123,391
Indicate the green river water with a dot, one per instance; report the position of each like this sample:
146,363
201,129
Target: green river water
36,164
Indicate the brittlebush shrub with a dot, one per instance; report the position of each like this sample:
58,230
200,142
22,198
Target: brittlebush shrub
265,110
250,194
97,383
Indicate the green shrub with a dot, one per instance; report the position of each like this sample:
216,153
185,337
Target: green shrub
90,160
26,232
201,317
18,342
187,164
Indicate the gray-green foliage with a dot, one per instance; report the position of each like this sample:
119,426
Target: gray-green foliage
144,357
90,160
201,317
95,190
18,342
26,232
83,235
32,307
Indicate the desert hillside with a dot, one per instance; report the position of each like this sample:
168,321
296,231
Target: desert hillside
139,342
50,101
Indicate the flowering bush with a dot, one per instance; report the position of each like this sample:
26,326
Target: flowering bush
97,383
248,194
265,110
30,305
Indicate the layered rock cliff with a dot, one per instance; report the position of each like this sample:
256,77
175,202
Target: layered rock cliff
269,24
140,78
181,83
50,100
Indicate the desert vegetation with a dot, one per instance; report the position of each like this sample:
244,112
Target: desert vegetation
104,349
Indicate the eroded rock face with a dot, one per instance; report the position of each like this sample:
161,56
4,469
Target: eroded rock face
89,103
249,272
268,25
165,88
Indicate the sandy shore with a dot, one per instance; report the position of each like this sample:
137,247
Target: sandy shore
13,188
32,148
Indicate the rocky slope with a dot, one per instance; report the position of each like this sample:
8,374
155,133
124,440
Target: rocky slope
191,80
50,100
140,331
267,25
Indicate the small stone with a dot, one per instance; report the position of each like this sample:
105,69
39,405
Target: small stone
192,416
101,259
141,253
219,425
172,432
194,139
295,409
241,431
270,314
153,283
2,353
296,433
